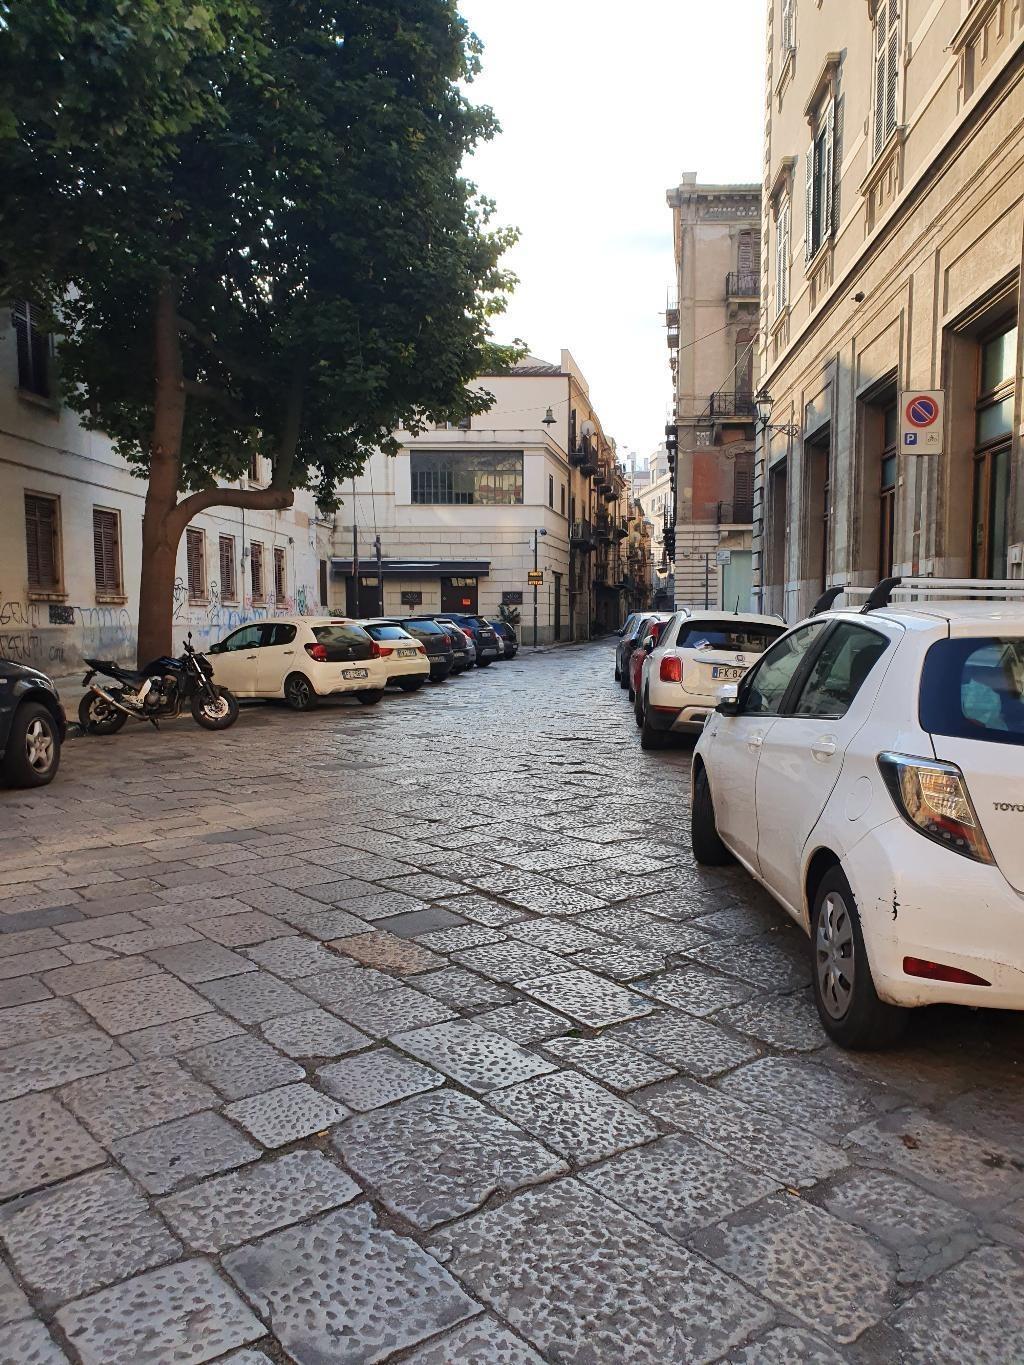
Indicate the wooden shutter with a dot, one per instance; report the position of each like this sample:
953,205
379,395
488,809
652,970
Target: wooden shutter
788,36
782,223
227,567
33,346
106,548
809,243
886,74
41,542
256,568
279,583
196,567
892,66
827,170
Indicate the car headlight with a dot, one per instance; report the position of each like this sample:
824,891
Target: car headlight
933,797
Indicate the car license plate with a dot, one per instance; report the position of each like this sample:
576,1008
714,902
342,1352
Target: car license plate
407,654
355,673
721,671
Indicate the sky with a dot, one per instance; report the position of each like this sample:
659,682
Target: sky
603,106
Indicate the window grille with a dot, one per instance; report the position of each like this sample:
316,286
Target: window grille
476,478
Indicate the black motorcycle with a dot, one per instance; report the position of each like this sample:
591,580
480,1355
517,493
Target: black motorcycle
159,692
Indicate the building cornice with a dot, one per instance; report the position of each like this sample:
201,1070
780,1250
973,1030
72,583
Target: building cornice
825,79
785,171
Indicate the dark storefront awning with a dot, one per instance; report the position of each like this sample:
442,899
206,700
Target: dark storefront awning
414,568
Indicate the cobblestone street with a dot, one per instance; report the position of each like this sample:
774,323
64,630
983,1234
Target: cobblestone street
413,1033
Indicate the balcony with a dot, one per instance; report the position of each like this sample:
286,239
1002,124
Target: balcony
739,513
728,405
603,528
621,528
584,458
743,285
581,536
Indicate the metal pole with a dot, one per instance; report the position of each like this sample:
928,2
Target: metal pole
535,565
707,583
380,576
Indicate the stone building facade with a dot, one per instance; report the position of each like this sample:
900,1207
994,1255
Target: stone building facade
893,230
712,322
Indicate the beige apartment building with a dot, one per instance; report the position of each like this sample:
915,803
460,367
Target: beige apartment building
893,233
657,498
712,321
464,512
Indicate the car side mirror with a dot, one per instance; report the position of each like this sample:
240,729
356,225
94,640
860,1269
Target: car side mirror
216,649
728,699
649,644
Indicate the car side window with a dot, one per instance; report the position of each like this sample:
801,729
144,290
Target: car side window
765,686
279,635
246,638
840,671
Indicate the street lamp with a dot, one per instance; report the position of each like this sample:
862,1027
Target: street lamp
763,405
536,537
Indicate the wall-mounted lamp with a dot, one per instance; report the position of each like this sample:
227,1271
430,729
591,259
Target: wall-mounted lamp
763,405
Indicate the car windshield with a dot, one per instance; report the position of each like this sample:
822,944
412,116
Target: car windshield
740,637
376,632
421,629
974,689
339,635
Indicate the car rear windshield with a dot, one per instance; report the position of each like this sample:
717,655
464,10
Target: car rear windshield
340,635
738,636
386,633
421,629
973,688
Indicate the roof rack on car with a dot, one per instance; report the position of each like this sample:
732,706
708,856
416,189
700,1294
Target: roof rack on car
827,599
970,588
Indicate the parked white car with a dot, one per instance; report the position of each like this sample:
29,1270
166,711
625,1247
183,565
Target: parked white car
301,658
696,653
869,772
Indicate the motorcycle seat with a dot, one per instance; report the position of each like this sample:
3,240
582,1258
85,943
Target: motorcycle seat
118,670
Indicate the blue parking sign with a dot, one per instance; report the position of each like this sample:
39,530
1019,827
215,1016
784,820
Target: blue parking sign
910,438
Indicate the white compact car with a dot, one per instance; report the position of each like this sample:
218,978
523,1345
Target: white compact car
301,658
869,772
696,653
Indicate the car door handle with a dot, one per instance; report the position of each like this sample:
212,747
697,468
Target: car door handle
755,741
289,651
250,656
824,748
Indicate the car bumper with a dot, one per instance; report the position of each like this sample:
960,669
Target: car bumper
399,669
441,668
917,899
680,720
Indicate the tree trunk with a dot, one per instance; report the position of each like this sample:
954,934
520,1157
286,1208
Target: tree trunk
161,531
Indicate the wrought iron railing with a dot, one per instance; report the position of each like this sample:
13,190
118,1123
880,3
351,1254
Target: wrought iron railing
743,284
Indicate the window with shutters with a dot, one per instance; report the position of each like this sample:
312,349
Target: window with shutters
106,548
35,348
228,581
886,71
280,586
254,471
820,180
787,27
195,559
256,571
783,221
42,542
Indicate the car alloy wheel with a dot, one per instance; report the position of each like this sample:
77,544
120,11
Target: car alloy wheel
39,746
298,693
835,955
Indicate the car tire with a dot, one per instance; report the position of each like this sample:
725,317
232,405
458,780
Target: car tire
707,847
299,692
411,684
632,693
220,719
844,991
623,681
638,710
33,747
98,717
649,737
484,663
618,673
370,696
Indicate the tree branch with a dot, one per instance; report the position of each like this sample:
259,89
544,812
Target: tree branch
209,393
244,368
257,499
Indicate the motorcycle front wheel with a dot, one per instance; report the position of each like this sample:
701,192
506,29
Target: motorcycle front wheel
218,712
98,717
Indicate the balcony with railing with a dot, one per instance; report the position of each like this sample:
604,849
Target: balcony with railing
743,284
584,457
581,535
731,406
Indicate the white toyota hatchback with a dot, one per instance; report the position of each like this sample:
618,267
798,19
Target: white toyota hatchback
301,658
695,654
869,772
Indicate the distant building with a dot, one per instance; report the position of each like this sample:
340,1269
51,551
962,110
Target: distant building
712,322
458,508
893,227
658,502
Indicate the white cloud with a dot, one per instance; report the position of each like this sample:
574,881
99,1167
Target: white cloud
603,106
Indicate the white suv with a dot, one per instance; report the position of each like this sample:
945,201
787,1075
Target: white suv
301,658
869,772
695,654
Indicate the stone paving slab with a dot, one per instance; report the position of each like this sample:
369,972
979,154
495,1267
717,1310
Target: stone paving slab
462,989
392,1012
313,1033
343,1289
13,1303
29,1343
184,1312
172,1154
972,1313
472,1056
238,1067
692,1045
525,1023
389,952
806,1095
54,1061
695,990
168,1040
588,999
21,990
82,1235
136,1097
511,962
131,1005
574,1116
376,1078
241,930
582,1281
482,1341
253,998
200,961
46,1019
40,1142
348,982
786,1346
280,1116
261,1198
609,1062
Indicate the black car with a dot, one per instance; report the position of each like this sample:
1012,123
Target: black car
440,650
32,726
463,651
488,646
506,634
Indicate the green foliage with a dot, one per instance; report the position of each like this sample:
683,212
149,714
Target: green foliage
291,169
510,615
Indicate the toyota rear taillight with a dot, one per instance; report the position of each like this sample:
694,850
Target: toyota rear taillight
317,652
671,669
933,797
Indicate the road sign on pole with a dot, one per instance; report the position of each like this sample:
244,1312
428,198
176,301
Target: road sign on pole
922,421
535,577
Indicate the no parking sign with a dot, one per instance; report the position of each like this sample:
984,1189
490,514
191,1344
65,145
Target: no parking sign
922,420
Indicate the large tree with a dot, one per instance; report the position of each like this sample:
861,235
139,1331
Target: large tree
248,224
